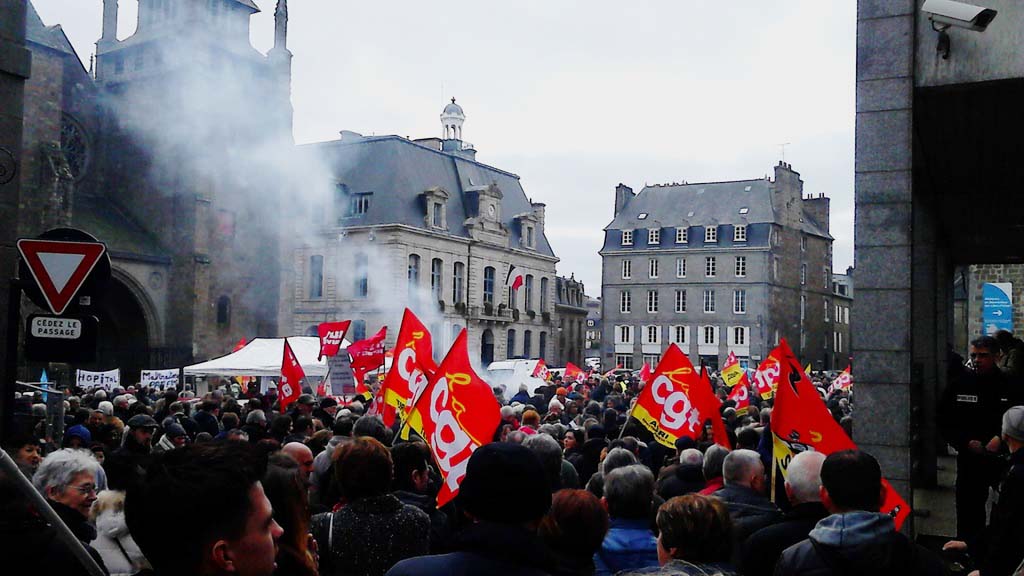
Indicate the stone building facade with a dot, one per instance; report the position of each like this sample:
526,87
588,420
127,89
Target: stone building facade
592,343
422,224
842,304
570,319
143,151
717,267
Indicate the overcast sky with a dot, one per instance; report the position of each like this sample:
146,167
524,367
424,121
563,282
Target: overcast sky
575,97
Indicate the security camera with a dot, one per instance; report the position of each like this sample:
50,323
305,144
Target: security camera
948,13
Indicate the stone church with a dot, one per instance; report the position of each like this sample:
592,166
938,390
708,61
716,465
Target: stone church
164,150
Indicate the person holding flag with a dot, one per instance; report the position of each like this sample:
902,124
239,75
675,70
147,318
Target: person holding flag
367,355
732,372
412,367
290,388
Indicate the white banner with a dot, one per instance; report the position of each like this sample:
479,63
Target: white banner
159,378
106,380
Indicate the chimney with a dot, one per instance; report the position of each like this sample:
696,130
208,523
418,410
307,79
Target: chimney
788,199
623,194
538,211
818,210
109,22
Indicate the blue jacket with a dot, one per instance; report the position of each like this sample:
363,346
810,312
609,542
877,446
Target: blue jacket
629,545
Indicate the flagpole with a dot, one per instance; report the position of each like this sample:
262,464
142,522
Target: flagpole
629,416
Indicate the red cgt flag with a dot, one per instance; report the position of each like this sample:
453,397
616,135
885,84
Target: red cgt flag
367,355
677,402
291,378
410,371
332,334
741,396
573,373
801,421
540,370
645,373
766,378
456,414
842,382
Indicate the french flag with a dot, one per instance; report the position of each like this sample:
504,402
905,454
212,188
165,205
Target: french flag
514,278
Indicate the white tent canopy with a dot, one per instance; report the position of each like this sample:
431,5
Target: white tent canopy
262,357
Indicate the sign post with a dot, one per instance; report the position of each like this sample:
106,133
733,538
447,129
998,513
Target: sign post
997,307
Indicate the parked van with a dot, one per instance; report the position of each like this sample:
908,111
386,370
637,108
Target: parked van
510,374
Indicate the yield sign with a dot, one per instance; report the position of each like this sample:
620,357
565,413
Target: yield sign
60,268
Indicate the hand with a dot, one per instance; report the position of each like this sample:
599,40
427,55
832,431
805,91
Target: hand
955,546
994,444
974,446
974,573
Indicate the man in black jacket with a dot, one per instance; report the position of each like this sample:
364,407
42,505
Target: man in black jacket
855,538
970,415
803,489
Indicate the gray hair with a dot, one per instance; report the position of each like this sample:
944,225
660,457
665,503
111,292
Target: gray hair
691,456
740,465
516,437
256,417
617,458
714,460
548,452
803,476
60,468
507,412
629,491
549,429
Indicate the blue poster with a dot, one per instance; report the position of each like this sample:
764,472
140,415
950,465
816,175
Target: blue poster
997,307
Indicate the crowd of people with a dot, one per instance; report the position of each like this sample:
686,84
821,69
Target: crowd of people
163,482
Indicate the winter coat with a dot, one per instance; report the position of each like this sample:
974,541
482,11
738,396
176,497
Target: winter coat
749,510
591,459
684,479
485,548
857,543
628,545
762,550
684,568
24,534
207,422
1006,530
368,536
120,553
440,531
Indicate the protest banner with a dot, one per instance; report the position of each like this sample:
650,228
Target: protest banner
160,379
106,380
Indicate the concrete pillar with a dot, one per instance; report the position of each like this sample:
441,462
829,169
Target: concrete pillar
15,68
881,318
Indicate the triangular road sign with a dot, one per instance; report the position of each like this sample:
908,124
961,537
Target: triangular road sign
60,268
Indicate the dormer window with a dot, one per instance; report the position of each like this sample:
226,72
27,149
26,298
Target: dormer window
739,233
627,237
436,215
682,235
710,234
435,200
654,236
529,236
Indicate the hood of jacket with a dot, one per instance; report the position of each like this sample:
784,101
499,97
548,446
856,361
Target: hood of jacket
860,539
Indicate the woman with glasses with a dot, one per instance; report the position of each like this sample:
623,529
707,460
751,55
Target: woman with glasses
67,479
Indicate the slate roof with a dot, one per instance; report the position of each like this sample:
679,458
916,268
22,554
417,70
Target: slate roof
49,36
124,238
668,206
249,4
397,171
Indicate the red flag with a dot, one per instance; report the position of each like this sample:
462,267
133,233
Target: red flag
367,355
514,278
732,371
291,378
766,378
241,344
540,370
801,421
676,403
573,373
456,414
609,373
741,396
645,373
842,382
718,432
410,370
332,334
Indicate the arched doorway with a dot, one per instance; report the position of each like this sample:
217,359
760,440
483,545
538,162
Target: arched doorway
487,348
123,333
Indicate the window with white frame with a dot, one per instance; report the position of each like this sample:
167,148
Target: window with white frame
680,301
654,236
826,310
624,360
652,268
839,314
739,336
710,335
653,335
710,266
651,360
679,334
710,234
741,266
803,243
627,237
739,233
624,334
846,315
627,269
682,235
827,277
709,301
625,302
839,342
681,267
739,301
803,307
803,274
652,301
775,268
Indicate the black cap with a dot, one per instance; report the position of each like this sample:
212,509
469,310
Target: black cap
328,402
506,484
307,399
142,421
